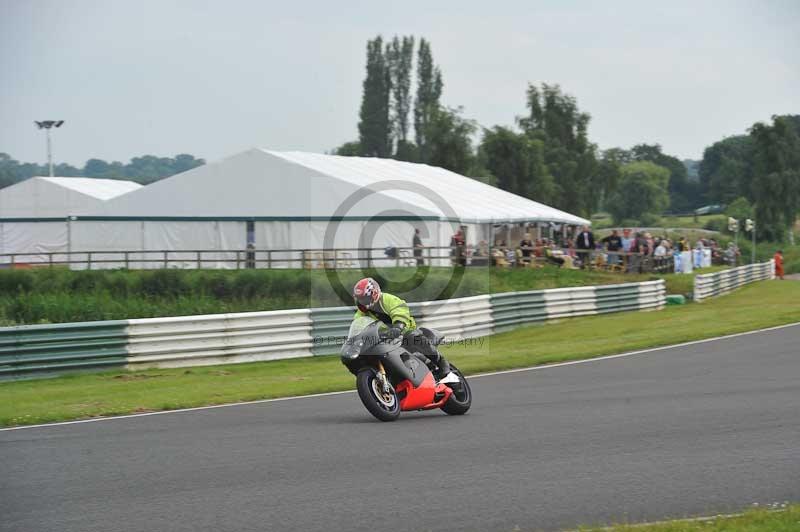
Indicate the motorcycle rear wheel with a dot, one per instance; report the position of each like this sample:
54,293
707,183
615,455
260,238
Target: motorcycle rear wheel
461,398
385,407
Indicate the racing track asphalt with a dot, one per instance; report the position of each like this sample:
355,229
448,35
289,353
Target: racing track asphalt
695,430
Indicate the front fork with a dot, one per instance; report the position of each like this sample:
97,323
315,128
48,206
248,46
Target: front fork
387,389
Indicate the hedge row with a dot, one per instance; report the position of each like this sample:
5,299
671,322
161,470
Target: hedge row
57,295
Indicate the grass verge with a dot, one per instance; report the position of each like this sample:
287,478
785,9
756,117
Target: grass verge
756,306
784,518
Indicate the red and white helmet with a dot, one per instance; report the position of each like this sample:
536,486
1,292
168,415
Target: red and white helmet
367,292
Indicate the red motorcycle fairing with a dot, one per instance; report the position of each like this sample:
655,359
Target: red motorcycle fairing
422,397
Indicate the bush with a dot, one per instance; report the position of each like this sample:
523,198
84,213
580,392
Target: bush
163,283
15,281
649,219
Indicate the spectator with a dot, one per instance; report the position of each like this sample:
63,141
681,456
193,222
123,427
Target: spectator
570,250
585,243
661,250
538,250
417,243
778,258
626,240
613,244
511,257
650,242
526,248
551,254
457,244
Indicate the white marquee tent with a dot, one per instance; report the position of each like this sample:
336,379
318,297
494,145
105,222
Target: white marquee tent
34,212
301,201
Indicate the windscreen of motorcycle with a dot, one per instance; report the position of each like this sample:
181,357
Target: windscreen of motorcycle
355,339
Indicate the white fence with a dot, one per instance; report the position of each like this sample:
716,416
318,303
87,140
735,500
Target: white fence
716,284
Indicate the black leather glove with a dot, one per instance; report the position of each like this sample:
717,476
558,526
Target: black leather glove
396,331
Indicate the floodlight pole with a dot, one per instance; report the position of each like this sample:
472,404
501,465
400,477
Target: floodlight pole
753,250
49,152
47,125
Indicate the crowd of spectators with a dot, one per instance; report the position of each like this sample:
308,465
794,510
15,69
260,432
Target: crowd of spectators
632,251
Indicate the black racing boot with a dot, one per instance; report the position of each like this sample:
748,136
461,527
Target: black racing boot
443,368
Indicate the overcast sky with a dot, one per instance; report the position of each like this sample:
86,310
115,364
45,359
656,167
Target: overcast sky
212,78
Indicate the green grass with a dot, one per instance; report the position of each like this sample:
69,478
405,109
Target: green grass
709,221
110,393
779,518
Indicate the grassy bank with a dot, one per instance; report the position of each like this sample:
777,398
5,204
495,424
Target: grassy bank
781,518
110,393
59,296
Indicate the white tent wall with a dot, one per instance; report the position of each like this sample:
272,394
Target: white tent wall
97,236
34,239
181,239
274,235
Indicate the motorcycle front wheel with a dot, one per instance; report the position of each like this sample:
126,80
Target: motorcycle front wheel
382,405
461,398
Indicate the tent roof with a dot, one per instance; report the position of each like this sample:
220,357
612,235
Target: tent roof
57,197
264,184
102,189
470,199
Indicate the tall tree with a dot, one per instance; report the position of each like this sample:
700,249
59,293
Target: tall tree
776,184
401,60
429,90
374,127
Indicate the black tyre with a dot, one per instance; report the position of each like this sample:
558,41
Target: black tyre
383,406
461,398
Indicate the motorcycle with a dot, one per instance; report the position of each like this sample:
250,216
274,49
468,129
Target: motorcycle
391,379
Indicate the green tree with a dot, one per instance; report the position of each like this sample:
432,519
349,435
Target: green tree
449,138
101,169
776,168
374,127
642,190
401,59
554,118
517,163
352,148
726,171
740,209
429,91
682,194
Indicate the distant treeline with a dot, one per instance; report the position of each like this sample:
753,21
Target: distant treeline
144,169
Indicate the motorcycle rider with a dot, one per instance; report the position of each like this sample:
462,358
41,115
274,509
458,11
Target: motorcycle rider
394,312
